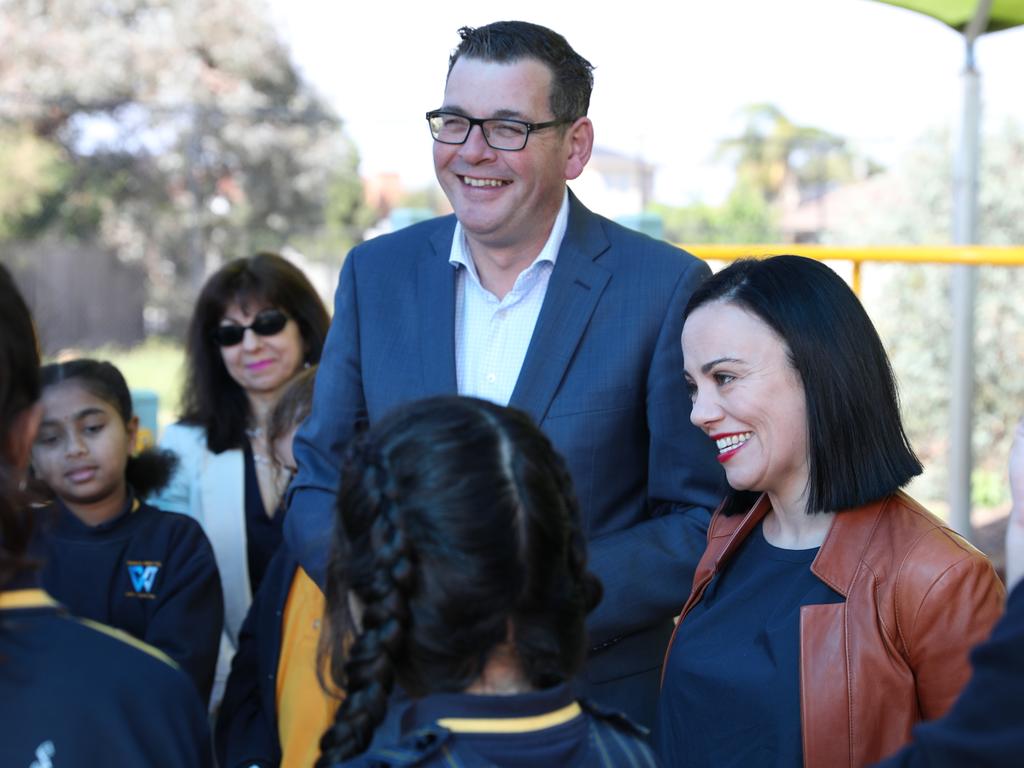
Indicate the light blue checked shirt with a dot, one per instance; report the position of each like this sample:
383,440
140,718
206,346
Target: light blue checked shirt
492,335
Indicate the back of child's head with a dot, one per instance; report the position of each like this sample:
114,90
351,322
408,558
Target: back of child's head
19,390
292,408
458,530
146,472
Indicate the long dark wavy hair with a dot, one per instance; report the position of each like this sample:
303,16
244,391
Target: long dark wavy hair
146,472
212,399
458,531
19,389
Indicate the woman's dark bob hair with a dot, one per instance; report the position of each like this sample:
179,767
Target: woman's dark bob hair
212,399
859,451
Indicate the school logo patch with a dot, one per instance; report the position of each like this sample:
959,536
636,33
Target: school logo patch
143,576
44,755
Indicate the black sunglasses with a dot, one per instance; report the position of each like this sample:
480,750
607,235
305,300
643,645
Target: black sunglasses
267,323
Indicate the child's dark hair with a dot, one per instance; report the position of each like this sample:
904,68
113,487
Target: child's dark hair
293,406
19,389
148,471
458,530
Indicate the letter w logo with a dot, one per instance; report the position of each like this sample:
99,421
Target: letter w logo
143,576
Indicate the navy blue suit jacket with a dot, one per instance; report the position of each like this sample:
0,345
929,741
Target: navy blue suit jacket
603,377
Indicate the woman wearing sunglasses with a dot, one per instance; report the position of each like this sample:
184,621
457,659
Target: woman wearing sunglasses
257,322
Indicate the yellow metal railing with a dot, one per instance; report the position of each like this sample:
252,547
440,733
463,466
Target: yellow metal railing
990,255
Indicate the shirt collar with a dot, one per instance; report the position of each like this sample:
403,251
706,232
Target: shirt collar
471,713
460,255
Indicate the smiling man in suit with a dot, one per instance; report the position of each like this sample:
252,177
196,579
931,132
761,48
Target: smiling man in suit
524,297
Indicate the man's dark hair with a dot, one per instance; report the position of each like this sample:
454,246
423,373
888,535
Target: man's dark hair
572,77
858,449
458,530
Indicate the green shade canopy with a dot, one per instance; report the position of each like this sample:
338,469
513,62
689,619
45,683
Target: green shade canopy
958,13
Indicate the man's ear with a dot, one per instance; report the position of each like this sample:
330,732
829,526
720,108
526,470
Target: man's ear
580,142
23,434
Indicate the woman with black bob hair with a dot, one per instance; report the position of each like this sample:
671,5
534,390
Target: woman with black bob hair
458,571
70,691
258,321
830,612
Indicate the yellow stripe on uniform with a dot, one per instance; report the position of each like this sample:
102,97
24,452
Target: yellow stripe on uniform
26,598
124,637
511,724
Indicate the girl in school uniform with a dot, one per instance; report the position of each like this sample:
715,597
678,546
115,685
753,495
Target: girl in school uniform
108,556
72,692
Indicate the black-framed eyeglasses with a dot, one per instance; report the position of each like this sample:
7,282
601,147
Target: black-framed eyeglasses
499,133
269,322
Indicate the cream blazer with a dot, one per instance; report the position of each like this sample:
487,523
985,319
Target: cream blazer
211,488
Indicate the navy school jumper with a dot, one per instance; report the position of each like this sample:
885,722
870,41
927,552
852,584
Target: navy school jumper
77,693
147,572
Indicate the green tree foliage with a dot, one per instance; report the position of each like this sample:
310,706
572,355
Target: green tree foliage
911,304
772,150
185,135
744,217
770,153
32,169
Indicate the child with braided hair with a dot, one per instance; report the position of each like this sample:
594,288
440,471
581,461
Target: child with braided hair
458,572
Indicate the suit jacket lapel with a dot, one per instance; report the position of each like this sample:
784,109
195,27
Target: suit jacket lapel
576,285
435,300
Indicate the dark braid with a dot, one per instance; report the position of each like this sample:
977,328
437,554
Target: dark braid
368,675
458,530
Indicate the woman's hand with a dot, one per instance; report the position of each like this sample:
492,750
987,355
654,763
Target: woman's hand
1015,527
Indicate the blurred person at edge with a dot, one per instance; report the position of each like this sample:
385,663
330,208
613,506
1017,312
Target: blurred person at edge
257,323
72,692
830,612
985,727
526,298
274,710
459,571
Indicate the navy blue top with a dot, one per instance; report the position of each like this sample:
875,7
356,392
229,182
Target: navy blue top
542,728
78,694
246,733
262,533
731,695
148,572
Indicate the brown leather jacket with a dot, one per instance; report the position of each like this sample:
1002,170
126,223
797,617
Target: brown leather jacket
918,597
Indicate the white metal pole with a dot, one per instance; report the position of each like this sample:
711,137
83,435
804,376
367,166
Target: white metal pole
963,288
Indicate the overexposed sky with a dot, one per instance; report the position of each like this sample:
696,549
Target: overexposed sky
669,77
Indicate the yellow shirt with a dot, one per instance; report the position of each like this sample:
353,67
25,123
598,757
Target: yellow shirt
304,711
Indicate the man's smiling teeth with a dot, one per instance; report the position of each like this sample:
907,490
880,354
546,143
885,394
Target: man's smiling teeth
732,441
469,181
